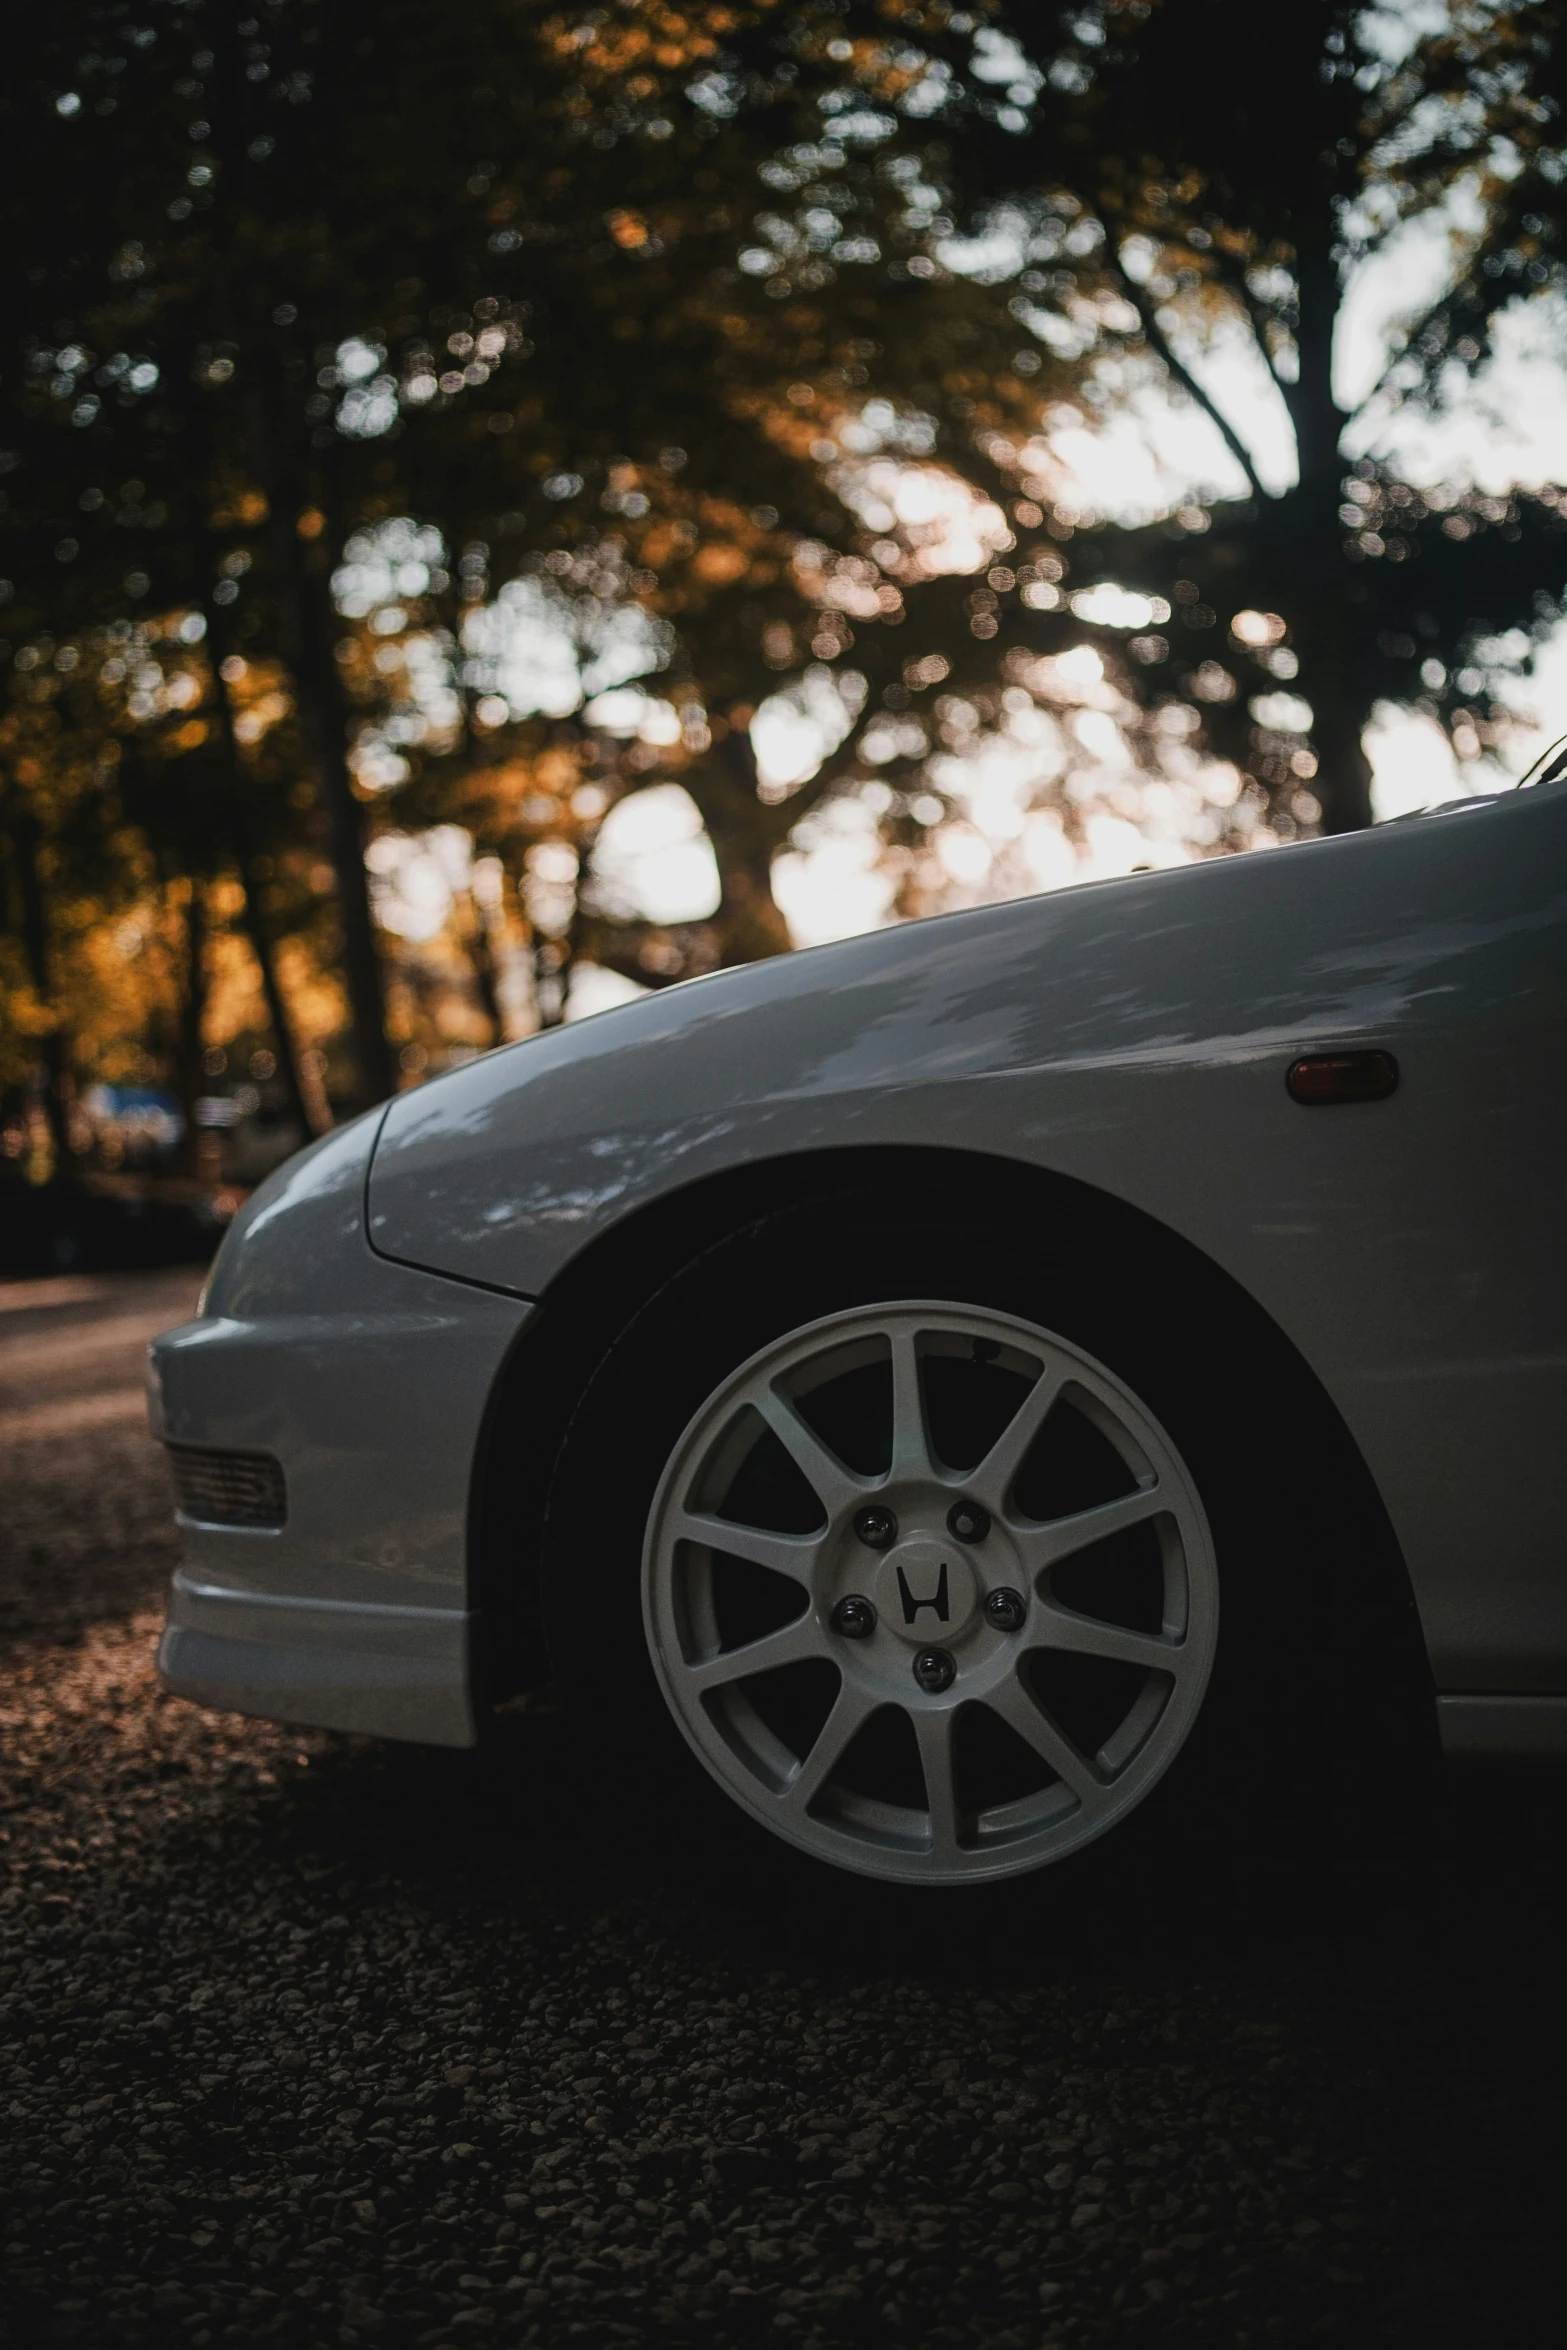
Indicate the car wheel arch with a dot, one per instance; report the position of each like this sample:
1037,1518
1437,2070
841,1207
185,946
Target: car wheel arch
602,1289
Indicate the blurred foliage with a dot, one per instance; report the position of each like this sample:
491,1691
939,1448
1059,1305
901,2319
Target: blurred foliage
354,357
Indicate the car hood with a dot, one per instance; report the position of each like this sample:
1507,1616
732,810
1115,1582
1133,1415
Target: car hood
499,1171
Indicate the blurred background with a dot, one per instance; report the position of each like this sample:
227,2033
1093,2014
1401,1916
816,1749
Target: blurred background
509,507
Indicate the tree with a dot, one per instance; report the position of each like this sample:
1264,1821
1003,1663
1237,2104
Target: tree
519,423
192,301
1210,200
608,401
1154,198
646,329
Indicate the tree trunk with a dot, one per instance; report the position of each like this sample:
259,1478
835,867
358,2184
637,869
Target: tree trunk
307,1104
193,1011
324,721
310,637
237,97
1342,784
1340,712
242,837
510,964
551,980
36,943
481,958
746,835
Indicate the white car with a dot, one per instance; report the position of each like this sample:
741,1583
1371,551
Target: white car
1093,1364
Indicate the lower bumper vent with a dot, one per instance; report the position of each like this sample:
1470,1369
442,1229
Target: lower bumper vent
228,1488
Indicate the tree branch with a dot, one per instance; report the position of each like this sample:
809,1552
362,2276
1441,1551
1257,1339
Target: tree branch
1188,382
1396,359
783,815
1233,278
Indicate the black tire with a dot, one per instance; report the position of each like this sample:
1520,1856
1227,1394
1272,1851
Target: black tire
1306,1758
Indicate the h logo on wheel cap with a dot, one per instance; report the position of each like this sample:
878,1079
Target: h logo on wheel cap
937,1599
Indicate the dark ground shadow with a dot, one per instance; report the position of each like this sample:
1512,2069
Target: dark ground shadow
318,2040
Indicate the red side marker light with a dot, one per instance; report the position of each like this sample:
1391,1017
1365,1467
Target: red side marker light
1342,1077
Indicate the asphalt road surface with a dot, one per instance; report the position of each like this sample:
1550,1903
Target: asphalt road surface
313,2040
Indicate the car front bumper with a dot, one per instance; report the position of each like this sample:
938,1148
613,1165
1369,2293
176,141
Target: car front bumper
368,1382
398,1672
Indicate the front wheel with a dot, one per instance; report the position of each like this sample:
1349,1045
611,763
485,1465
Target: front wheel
914,1541
929,1592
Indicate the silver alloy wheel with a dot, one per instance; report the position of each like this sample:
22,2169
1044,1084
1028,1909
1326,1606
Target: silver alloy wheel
811,1713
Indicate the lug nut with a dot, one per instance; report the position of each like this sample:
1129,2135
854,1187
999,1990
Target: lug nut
967,1522
934,1670
1005,1609
877,1528
854,1617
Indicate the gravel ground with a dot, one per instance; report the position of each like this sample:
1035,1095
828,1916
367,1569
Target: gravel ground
313,2040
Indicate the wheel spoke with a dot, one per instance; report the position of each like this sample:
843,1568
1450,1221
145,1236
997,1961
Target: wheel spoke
851,1708
825,1474
793,1555
1063,1628
789,1645
933,1728
910,1437
1022,1712
992,1480
1045,1545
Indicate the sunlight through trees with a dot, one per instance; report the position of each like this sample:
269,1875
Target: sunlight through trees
442,449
